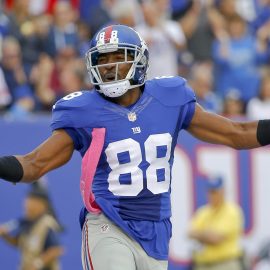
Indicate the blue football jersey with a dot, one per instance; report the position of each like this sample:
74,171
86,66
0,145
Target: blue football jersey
132,180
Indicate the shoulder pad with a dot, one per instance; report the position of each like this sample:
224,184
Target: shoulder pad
74,110
75,99
170,91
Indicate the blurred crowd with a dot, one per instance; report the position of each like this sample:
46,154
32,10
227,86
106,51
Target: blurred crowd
222,47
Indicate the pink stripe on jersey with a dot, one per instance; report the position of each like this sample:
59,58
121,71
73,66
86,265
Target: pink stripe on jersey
88,169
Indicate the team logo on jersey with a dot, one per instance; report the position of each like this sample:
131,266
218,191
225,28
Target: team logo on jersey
136,130
104,228
132,116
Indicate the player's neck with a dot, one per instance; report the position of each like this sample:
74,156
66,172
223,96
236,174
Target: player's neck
129,98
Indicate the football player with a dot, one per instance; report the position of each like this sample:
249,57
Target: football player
126,132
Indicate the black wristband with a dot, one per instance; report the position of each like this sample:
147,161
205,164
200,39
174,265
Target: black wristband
263,132
10,169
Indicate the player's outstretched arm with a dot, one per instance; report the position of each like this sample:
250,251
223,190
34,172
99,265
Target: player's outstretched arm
51,154
216,129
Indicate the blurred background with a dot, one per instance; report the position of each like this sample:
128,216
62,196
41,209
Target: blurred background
222,47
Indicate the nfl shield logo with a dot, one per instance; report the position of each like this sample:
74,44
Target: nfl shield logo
132,116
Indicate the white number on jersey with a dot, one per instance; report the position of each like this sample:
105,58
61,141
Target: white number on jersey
72,95
132,167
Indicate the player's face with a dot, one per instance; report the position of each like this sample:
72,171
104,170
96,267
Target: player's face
113,66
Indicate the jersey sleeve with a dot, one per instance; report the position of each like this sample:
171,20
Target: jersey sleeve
188,103
61,116
190,110
81,139
62,120
68,114
73,110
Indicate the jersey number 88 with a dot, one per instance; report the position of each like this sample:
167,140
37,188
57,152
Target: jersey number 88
132,167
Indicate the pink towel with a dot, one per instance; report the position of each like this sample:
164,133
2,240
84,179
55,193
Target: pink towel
88,169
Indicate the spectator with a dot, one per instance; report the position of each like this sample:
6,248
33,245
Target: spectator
164,38
36,234
46,76
263,37
63,32
198,30
17,77
22,27
227,8
41,6
217,228
237,61
42,79
65,56
5,97
75,4
202,82
38,7
84,35
233,105
98,15
126,12
73,77
259,106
